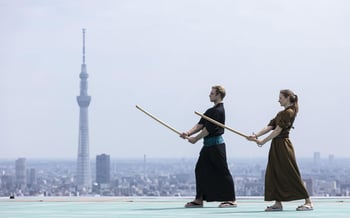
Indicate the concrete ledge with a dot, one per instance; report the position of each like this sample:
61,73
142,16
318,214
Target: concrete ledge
132,207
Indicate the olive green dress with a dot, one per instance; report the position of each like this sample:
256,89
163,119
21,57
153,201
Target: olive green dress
282,180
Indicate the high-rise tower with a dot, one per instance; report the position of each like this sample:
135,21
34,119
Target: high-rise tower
83,163
103,169
21,178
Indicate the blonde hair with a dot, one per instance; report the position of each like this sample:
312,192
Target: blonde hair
220,90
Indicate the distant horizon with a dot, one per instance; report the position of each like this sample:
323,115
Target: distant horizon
162,158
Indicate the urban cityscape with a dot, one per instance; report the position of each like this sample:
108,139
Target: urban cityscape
105,176
158,177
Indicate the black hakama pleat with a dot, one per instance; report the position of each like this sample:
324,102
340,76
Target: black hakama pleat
213,179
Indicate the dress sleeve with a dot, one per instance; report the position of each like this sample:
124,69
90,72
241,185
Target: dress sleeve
285,119
272,123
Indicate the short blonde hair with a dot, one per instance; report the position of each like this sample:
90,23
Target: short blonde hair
220,90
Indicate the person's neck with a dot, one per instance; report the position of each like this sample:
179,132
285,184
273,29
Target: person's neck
217,102
287,106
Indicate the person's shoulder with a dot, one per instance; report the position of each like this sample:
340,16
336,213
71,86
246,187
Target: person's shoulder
288,112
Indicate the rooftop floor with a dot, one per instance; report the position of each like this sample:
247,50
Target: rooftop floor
134,207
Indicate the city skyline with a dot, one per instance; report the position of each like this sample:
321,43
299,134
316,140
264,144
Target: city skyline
316,155
165,56
154,177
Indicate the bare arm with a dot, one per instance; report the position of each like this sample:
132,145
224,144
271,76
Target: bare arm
199,136
263,131
273,134
198,127
254,136
192,131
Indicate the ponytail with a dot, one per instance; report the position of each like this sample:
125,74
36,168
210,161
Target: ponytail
293,98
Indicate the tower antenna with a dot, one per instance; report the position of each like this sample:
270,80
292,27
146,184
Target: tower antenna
83,45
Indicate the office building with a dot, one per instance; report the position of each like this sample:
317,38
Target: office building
103,172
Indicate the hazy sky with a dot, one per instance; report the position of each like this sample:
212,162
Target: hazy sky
165,56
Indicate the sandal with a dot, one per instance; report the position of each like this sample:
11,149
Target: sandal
193,204
227,204
273,208
305,207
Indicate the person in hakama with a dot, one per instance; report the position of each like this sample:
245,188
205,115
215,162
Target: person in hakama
213,178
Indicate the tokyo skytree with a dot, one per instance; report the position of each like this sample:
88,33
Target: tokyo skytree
83,174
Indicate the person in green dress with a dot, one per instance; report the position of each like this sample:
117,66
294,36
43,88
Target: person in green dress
282,178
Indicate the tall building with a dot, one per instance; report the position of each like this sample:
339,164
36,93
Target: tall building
31,177
317,158
331,159
21,173
103,169
83,176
